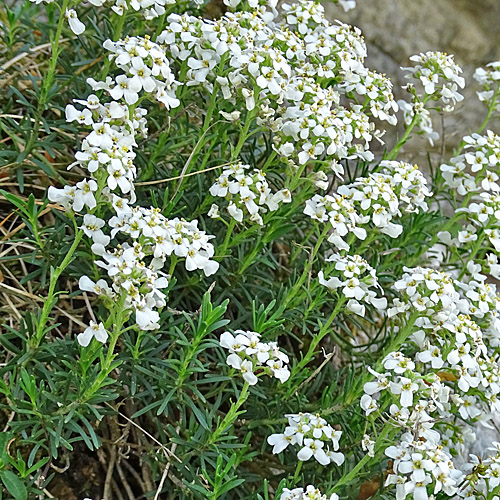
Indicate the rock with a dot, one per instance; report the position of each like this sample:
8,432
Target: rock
396,29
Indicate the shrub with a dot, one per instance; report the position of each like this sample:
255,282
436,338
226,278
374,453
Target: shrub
227,294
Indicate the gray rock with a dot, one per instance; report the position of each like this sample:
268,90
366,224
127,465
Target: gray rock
396,29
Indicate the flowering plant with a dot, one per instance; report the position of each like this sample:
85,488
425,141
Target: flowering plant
214,286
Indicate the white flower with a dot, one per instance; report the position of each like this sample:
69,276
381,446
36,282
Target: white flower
84,195
368,445
310,152
279,442
313,447
279,370
234,116
245,366
92,228
145,316
431,355
95,330
77,27
398,363
84,116
405,387
235,212
234,344
249,346
127,88
368,404
141,78
99,288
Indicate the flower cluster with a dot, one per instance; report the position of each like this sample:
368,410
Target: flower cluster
474,170
107,153
356,278
146,68
440,78
378,89
449,379
150,9
375,196
314,436
247,191
424,290
340,214
297,85
420,459
248,353
484,214
419,463
310,493
409,184
483,475
133,243
277,71
399,381
415,112
379,196
439,75
135,269
489,79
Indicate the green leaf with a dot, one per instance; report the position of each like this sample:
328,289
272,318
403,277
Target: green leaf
16,201
4,441
14,485
198,414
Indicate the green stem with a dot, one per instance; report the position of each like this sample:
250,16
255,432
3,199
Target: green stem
347,478
296,478
231,415
49,301
222,249
269,160
323,331
173,263
395,150
137,345
249,258
435,238
357,391
47,82
117,33
106,364
493,494
210,110
243,135
491,108
399,340
307,269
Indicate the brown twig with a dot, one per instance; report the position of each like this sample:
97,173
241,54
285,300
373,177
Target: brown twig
124,481
328,357
136,476
160,181
167,468
22,55
191,156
